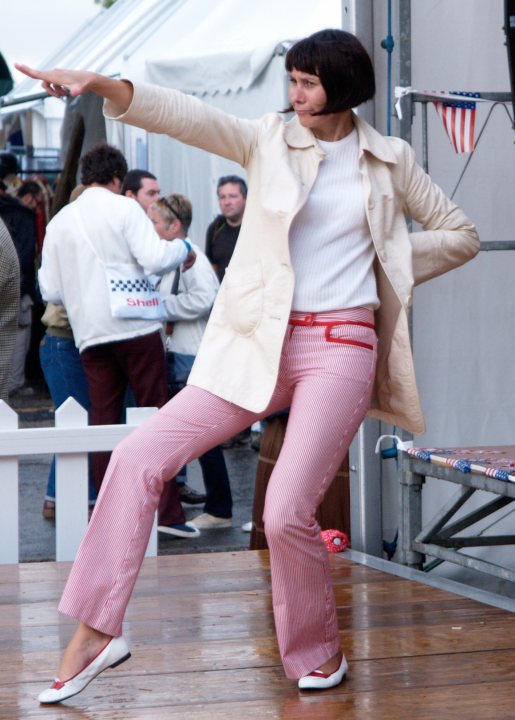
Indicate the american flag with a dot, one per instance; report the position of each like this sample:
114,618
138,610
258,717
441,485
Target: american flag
458,117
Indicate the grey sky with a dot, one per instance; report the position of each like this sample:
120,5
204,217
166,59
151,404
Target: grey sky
31,30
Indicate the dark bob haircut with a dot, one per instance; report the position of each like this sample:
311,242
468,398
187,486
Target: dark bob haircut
342,64
101,164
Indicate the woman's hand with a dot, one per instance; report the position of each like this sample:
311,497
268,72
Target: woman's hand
61,83
190,260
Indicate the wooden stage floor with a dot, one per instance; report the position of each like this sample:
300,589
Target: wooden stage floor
201,633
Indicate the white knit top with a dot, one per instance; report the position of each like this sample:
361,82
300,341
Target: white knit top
330,244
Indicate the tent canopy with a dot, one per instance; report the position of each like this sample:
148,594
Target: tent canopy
223,51
194,45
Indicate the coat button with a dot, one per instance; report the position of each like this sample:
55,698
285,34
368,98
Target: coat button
409,300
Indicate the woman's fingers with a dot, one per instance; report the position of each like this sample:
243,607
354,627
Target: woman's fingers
55,90
58,83
26,70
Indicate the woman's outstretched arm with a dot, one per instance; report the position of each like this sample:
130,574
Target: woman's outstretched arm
61,83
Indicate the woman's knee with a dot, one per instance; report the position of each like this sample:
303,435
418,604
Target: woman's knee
135,441
137,451
284,523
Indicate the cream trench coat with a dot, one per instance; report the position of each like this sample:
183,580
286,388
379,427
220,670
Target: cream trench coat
239,356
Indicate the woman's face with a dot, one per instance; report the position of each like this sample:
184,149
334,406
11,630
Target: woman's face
165,232
307,96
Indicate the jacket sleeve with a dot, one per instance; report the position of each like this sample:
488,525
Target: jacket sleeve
448,238
197,291
49,273
155,256
188,119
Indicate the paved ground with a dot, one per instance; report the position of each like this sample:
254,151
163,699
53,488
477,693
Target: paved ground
37,535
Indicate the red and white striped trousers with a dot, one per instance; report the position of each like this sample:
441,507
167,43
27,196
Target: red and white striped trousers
325,377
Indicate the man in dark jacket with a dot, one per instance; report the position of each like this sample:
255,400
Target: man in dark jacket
223,232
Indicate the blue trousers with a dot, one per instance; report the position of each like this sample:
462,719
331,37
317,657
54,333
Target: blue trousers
64,375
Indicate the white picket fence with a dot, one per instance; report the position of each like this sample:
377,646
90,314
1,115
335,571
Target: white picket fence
70,440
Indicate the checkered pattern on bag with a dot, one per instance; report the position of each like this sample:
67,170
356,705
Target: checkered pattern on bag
137,285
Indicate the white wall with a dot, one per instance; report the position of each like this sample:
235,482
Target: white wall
463,322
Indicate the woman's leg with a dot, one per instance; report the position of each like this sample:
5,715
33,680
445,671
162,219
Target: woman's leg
108,561
331,384
107,564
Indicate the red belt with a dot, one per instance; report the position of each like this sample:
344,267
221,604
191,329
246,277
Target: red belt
309,321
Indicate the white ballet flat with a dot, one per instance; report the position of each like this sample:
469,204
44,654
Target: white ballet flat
317,680
114,653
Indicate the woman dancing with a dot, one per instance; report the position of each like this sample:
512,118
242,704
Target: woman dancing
324,261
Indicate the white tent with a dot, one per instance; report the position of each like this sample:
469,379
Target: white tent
228,51
231,54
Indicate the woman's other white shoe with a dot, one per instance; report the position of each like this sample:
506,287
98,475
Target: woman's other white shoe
318,680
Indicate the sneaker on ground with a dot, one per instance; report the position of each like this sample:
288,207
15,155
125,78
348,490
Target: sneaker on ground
186,529
211,522
189,496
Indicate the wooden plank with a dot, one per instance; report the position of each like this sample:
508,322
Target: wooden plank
202,636
252,692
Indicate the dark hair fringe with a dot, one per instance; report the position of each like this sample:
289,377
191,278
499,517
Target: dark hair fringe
341,62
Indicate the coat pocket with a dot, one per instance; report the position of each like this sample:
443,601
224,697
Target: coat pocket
244,296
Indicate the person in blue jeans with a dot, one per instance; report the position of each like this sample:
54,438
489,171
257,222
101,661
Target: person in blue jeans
65,377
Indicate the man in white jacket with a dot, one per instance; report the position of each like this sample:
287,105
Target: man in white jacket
188,298
102,227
